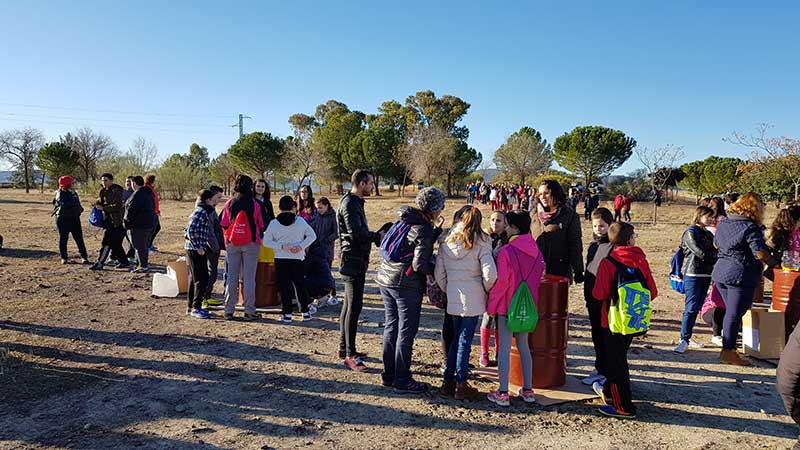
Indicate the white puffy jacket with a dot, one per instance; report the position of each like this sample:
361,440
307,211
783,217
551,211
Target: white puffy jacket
466,275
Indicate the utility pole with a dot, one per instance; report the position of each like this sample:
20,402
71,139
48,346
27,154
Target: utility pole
241,124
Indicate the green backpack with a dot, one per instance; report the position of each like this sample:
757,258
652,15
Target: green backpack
629,312
522,313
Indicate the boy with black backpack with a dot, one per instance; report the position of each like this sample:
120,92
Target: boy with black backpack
625,286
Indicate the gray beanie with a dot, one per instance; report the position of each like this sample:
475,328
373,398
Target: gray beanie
430,199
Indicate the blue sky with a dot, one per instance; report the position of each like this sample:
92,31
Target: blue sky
680,72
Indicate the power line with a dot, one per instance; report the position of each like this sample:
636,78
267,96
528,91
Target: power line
110,111
136,122
72,124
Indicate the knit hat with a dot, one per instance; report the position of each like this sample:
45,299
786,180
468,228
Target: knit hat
430,199
65,181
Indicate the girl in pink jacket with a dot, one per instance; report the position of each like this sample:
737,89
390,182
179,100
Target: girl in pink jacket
519,260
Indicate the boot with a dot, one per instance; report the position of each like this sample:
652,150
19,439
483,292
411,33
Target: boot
486,334
448,388
466,392
733,358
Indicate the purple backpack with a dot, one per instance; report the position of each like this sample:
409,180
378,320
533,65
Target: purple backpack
392,243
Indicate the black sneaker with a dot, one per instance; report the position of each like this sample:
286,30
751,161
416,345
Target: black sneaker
255,316
122,266
96,266
228,316
414,387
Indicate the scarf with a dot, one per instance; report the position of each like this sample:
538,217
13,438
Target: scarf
544,216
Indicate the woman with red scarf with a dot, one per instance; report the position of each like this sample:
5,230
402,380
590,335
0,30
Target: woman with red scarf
557,230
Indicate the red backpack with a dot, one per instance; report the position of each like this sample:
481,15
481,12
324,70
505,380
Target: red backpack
238,233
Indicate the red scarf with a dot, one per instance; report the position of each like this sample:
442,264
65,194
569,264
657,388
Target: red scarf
545,217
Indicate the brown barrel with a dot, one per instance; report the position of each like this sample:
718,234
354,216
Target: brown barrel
548,343
786,296
266,286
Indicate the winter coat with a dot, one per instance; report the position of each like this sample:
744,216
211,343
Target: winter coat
140,210
254,217
110,202
155,199
699,253
607,274
199,233
288,228
788,376
267,213
739,240
466,275
618,202
411,274
595,254
562,248
518,261
356,239
67,205
217,243
327,230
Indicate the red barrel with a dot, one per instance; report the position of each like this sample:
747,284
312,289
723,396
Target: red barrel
266,286
786,297
548,343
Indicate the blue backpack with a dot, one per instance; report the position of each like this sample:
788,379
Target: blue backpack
96,218
675,275
393,241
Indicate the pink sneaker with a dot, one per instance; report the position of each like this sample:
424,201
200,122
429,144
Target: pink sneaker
484,362
527,395
499,398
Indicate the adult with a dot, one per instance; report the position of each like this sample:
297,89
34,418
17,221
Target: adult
150,182
737,273
466,271
262,196
557,230
700,255
109,202
67,210
402,284
356,242
126,195
306,206
779,237
140,220
201,241
242,212
788,377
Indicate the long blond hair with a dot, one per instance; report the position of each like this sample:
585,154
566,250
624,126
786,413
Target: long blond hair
469,228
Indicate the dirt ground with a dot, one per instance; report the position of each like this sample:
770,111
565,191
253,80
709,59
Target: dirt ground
90,360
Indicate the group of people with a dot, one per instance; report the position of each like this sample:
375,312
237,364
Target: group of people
130,213
502,197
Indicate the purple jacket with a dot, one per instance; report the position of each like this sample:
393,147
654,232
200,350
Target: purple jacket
738,240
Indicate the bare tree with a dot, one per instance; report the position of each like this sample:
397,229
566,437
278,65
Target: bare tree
20,147
485,167
658,162
425,151
782,153
143,154
91,147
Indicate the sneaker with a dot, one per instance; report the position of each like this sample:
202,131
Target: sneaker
594,376
414,387
286,318
682,346
125,266
716,341
254,316
213,302
598,389
141,269
131,260
189,311
484,361
153,249
111,262
85,261
64,261
96,266
321,302
499,398
312,309
355,364
610,411
343,355
228,316
333,301
694,344
199,314
307,316
527,395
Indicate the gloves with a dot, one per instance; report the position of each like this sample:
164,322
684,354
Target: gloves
579,278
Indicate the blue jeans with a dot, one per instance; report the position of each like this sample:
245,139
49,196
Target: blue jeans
458,355
696,290
402,310
738,300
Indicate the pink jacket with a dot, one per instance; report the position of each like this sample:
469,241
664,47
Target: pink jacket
226,219
517,261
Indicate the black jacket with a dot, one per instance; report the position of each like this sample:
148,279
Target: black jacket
598,250
562,248
788,375
140,210
110,200
411,274
699,253
355,237
67,205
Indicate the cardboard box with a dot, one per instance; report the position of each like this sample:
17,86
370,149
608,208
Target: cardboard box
763,333
181,273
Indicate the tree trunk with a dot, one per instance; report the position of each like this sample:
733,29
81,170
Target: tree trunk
27,178
42,182
377,183
449,183
655,212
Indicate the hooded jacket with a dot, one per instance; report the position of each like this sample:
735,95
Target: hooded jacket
290,229
110,202
562,248
327,231
739,240
519,260
466,275
140,210
411,274
607,274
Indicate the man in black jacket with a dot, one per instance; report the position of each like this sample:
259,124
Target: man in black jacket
356,241
140,217
110,203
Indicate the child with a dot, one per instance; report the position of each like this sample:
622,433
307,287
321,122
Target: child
518,261
597,252
497,232
617,387
201,240
320,256
290,236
